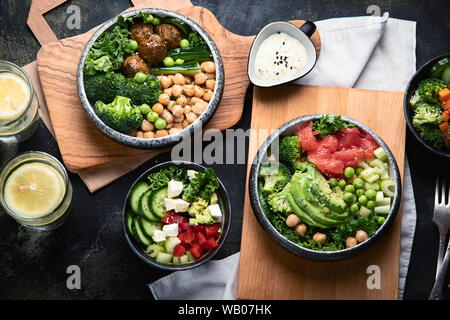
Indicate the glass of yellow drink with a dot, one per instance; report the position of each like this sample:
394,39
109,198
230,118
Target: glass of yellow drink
35,190
18,104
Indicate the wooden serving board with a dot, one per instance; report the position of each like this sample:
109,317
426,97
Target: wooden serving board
266,270
81,144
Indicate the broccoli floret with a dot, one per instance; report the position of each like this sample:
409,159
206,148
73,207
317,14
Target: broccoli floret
427,114
278,202
432,135
428,89
119,114
275,175
140,93
416,100
103,86
290,152
195,40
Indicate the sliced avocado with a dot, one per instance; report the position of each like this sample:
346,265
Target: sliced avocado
302,214
321,190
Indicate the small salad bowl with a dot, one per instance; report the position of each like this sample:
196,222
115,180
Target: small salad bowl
302,34
223,201
289,129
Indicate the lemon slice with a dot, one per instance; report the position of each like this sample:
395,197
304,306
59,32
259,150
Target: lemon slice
34,190
14,96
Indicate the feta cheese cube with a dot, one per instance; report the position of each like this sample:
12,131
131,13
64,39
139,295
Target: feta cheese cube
180,205
171,230
216,212
174,188
169,204
191,174
159,236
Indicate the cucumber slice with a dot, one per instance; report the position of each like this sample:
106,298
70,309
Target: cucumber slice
164,258
384,202
148,226
380,196
176,260
388,187
382,210
136,194
184,259
157,202
139,235
144,207
380,154
129,217
171,242
190,257
183,26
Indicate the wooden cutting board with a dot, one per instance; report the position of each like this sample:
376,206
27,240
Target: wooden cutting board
266,270
81,144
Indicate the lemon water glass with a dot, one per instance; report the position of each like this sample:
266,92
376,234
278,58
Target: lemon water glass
59,214
22,127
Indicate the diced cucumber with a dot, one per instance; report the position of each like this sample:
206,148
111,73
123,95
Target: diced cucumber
136,194
144,207
384,202
158,206
214,199
156,249
382,210
184,259
385,176
363,164
148,226
372,178
377,163
129,216
163,257
379,196
374,186
176,260
367,172
388,187
190,257
380,154
171,242
139,235
364,212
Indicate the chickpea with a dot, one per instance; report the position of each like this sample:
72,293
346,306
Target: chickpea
162,133
133,133
158,108
198,108
168,126
211,76
188,80
187,109
166,115
149,135
177,110
179,119
301,229
350,242
168,91
361,236
292,220
171,105
320,238
179,79
164,99
182,100
178,125
147,126
207,95
188,90
198,91
174,130
200,78
210,84
159,77
170,76
208,67
177,90
191,117
166,82
185,123
195,100
140,134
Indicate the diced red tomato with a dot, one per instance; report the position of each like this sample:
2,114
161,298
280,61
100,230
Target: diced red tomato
179,250
179,218
213,243
168,217
182,226
196,251
187,236
212,230
197,228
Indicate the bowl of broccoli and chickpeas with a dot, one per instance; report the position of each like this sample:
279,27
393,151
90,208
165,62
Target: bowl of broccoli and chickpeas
149,77
427,105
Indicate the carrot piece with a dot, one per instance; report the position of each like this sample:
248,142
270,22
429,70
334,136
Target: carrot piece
443,126
444,94
446,105
445,115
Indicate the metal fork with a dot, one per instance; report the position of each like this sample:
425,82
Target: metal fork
441,217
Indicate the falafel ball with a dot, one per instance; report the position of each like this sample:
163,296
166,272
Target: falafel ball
140,30
170,34
153,49
134,64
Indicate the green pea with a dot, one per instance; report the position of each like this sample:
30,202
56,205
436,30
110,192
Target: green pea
354,208
359,170
168,62
348,197
371,204
381,220
140,77
132,45
145,108
371,194
350,188
160,123
152,116
342,183
179,61
147,19
359,192
333,182
362,200
184,43
349,172
156,21
358,183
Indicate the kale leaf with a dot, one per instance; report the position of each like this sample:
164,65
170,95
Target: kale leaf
202,185
329,125
160,179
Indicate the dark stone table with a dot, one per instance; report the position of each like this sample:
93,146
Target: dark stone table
33,264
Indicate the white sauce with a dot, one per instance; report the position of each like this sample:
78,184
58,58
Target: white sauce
279,57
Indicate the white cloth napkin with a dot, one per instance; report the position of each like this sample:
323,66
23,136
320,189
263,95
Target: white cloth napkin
358,52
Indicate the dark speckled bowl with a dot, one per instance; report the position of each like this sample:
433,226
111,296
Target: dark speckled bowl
224,202
420,75
289,129
163,142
